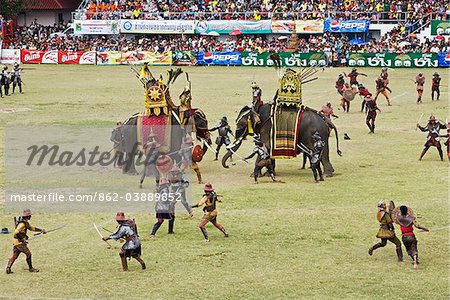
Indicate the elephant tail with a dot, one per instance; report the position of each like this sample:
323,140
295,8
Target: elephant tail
339,152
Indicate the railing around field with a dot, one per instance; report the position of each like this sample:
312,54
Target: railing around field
374,17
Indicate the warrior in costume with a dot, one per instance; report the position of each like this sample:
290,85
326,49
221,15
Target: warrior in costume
385,76
165,208
420,81
371,109
363,92
209,201
327,111
381,89
436,82
186,157
223,129
316,156
151,147
16,79
117,139
185,105
345,103
178,186
353,75
386,231
256,97
340,84
262,161
447,142
407,221
433,138
132,247
20,241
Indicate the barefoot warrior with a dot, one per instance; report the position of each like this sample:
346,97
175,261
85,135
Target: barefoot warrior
433,139
371,109
420,81
381,89
20,241
435,84
386,231
132,247
209,200
404,217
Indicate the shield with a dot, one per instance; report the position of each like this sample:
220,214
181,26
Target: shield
391,206
402,220
348,95
197,154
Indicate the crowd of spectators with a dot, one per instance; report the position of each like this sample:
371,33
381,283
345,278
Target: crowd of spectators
265,9
399,40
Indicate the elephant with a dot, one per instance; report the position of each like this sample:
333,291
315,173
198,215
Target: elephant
311,122
129,144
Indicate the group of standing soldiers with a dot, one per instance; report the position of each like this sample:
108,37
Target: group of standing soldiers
8,78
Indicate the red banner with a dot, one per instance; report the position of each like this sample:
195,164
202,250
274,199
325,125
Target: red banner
39,57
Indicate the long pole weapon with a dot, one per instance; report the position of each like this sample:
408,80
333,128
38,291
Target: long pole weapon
100,234
41,234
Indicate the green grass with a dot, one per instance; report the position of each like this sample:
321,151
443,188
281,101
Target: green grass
291,240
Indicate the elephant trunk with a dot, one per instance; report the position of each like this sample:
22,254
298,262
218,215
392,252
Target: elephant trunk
230,152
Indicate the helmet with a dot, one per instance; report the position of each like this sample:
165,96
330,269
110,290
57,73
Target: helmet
384,69
27,213
120,216
432,118
435,74
381,204
224,118
208,187
254,84
341,75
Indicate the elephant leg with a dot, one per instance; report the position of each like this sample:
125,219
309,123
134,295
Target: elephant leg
128,166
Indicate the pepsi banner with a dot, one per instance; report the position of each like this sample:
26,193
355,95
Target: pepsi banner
444,60
219,58
346,26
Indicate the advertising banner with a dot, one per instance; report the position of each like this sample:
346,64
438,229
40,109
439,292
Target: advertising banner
440,27
39,57
346,26
283,26
444,60
76,57
219,58
9,56
157,26
183,58
226,26
134,57
288,59
309,26
96,26
410,60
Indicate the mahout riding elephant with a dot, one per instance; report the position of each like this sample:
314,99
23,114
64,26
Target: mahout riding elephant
311,122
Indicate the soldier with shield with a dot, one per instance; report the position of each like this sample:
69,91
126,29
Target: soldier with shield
386,231
404,216
189,157
223,129
348,94
340,84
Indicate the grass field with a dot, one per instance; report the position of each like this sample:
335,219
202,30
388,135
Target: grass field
289,240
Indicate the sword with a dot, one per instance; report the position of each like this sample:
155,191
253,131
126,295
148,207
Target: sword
207,145
305,149
436,229
41,234
418,121
234,153
100,234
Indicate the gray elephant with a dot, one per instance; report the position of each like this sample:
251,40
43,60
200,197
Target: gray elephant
311,122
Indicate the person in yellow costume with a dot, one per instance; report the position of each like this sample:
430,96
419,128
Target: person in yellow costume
20,241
